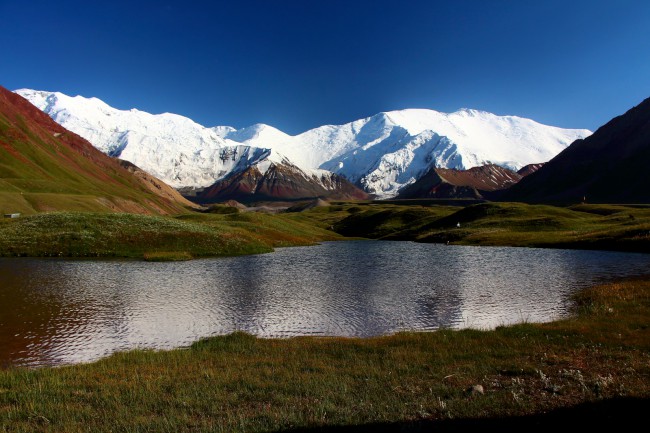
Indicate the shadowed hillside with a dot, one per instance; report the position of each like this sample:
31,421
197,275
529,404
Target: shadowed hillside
610,166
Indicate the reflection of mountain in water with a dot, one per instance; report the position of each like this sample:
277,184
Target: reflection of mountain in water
57,311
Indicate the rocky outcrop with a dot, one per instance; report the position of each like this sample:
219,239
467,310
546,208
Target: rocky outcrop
279,182
477,183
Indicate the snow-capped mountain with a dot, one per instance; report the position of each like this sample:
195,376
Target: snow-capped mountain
381,154
387,151
285,182
183,153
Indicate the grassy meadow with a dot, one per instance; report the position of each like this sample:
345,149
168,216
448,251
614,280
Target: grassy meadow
226,231
583,226
77,234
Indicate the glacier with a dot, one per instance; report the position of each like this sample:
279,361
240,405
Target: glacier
382,153
390,150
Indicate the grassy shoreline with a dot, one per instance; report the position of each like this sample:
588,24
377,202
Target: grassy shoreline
183,237
582,226
192,235
599,358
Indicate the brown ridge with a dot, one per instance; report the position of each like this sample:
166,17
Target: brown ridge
475,182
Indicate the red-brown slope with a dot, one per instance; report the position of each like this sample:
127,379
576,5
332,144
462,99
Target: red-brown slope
279,182
451,183
54,169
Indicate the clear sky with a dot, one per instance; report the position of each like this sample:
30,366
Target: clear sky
298,64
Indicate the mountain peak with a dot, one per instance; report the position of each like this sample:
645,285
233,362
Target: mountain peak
260,132
470,112
382,153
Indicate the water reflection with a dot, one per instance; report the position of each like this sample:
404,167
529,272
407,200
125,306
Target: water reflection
57,311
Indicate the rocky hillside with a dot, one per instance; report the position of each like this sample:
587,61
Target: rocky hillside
280,181
477,182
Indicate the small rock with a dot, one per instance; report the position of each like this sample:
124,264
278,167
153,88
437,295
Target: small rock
476,390
553,389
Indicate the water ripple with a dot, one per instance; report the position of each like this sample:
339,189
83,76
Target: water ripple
58,311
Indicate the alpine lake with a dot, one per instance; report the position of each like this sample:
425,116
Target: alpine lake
56,311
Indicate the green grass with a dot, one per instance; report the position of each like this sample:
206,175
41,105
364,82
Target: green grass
40,172
89,234
70,234
238,383
508,224
280,230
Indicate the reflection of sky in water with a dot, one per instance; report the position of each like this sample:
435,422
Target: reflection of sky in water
57,311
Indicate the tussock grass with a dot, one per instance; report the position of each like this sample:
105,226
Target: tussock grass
238,383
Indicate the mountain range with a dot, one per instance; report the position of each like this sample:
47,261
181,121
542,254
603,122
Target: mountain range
379,155
390,150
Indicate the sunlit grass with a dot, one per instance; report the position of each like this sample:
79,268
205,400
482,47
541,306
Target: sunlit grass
614,227
70,234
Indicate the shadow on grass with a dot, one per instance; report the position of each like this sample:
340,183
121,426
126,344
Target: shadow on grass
610,415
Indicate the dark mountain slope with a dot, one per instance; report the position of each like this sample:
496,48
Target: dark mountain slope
279,182
610,166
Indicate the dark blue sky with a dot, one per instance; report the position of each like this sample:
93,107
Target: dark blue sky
298,64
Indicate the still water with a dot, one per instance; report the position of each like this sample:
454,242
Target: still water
63,311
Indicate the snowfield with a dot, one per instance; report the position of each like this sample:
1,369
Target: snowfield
381,153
